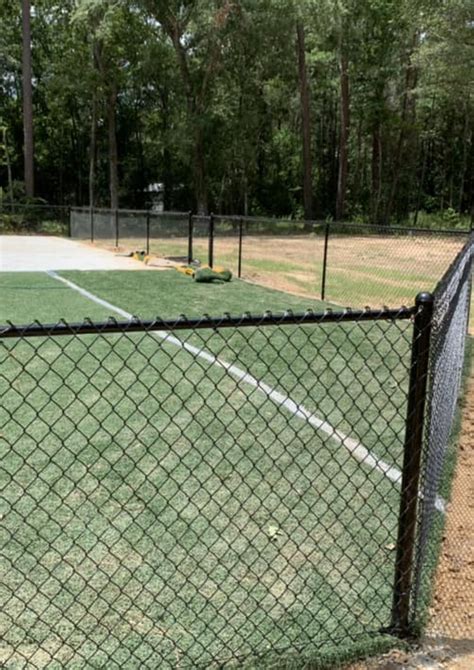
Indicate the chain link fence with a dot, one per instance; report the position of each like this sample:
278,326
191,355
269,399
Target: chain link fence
167,234
34,218
215,493
448,367
344,264
236,492
385,265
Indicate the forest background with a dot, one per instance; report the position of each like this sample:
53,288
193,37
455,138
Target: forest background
316,109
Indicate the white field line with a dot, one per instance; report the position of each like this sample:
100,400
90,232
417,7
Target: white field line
357,450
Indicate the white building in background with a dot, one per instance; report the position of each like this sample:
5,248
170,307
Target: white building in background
156,193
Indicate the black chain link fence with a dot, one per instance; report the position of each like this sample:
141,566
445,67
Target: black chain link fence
448,367
385,264
217,493
34,218
344,264
200,494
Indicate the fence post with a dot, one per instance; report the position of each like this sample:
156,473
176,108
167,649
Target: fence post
190,238
241,233
148,233
325,262
91,209
117,232
211,241
407,520
69,221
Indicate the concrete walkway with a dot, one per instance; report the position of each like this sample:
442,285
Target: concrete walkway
39,254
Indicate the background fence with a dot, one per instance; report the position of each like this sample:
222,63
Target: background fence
225,492
342,263
33,218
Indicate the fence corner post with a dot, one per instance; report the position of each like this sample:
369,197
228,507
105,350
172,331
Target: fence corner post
407,520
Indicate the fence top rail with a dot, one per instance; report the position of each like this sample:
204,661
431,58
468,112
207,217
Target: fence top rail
381,230
88,327
333,225
266,219
32,205
466,253
139,212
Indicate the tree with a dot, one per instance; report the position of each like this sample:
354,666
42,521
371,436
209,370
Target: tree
197,32
27,100
306,123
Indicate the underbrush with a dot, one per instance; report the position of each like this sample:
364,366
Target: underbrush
25,224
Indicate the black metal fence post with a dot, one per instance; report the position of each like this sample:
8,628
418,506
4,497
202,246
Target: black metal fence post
117,230
190,238
148,233
69,221
91,209
211,241
241,234
325,262
407,520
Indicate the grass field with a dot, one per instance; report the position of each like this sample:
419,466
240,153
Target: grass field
158,511
362,270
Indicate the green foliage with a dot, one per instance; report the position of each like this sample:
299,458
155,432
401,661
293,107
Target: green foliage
208,102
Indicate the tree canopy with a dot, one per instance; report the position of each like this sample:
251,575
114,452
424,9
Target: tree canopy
334,107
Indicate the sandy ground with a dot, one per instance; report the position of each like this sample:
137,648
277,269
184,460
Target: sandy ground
39,254
449,644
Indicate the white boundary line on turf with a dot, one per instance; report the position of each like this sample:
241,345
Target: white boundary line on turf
357,450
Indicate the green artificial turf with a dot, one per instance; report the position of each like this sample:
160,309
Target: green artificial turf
156,511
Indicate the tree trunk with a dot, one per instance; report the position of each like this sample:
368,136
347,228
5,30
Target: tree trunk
420,187
306,125
27,99
358,180
113,152
407,117
343,139
376,173
200,183
93,151
467,138
167,156
9,166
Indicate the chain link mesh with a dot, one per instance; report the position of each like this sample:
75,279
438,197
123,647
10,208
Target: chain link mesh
447,365
386,265
199,494
33,218
343,263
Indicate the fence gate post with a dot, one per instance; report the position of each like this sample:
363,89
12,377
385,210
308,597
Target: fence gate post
407,520
211,241
325,262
